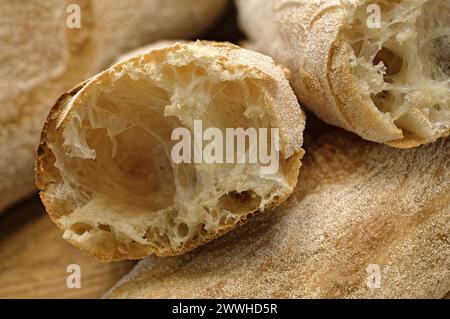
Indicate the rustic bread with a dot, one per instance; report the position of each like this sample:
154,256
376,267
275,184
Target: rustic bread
389,84
40,58
105,169
360,208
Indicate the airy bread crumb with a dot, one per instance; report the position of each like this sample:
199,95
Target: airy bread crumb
104,165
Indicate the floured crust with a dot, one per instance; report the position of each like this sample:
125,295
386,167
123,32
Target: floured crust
139,22
311,38
360,205
284,113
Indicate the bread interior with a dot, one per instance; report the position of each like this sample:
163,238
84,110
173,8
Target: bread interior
112,171
404,66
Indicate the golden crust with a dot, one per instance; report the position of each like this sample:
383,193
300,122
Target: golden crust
410,141
285,113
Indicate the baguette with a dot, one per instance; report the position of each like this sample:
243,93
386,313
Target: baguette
360,208
41,58
388,83
103,165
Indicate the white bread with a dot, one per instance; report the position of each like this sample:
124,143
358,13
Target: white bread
358,204
389,85
104,166
40,58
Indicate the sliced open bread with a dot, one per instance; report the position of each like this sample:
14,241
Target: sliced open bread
105,165
377,68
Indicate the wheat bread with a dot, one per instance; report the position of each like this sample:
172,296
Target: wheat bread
104,165
387,82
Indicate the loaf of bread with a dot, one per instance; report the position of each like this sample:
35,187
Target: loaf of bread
105,164
44,53
366,221
378,68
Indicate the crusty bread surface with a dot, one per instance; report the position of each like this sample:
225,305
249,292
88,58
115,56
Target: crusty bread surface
104,164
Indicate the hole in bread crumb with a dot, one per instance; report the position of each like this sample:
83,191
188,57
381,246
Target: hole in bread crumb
164,239
223,220
104,227
243,202
183,230
140,173
184,73
156,237
357,46
80,228
391,61
437,107
383,100
230,221
168,74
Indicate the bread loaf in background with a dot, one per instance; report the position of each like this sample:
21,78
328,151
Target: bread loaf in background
366,221
41,57
105,166
387,82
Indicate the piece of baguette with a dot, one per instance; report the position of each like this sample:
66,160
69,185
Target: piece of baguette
389,84
358,204
104,165
40,58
